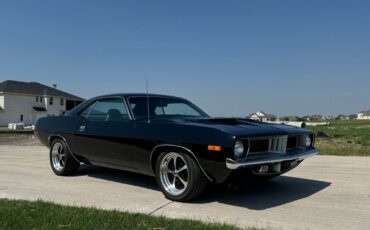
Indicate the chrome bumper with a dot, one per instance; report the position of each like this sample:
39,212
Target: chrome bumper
231,164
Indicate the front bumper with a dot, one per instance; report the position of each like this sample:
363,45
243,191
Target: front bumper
231,164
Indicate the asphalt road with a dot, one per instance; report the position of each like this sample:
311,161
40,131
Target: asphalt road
324,192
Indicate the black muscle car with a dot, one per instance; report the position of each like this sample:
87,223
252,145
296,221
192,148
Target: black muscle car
172,139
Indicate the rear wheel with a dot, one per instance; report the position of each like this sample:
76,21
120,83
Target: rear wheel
61,160
179,176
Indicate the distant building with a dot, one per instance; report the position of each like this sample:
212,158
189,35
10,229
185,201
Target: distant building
306,118
352,116
317,117
346,117
330,117
363,115
25,102
290,118
262,116
342,117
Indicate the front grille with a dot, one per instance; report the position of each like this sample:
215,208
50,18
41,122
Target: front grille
278,144
261,145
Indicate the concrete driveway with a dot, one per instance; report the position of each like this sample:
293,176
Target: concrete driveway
324,192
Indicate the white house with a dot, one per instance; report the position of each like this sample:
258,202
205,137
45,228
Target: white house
363,115
25,102
262,116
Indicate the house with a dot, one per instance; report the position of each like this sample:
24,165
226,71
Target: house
306,118
363,115
346,117
25,102
352,116
289,118
342,117
317,117
330,117
262,116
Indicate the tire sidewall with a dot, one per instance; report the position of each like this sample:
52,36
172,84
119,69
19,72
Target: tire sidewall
67,155
190,165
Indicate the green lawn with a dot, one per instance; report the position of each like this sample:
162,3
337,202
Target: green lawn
350,138
44,215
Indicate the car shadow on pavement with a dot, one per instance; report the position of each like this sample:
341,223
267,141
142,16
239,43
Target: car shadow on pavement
118,176
255,196
261,196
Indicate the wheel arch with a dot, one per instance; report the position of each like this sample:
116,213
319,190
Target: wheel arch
157,150
53,137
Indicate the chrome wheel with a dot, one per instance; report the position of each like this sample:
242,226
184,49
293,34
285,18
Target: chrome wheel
58,156
174,174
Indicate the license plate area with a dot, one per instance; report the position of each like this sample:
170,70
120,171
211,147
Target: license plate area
275,168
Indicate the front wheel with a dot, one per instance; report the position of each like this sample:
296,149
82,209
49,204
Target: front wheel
179,176
61,160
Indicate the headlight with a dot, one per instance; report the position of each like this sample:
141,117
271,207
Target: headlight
308,141
239,150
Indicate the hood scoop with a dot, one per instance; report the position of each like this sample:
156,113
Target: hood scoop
226,121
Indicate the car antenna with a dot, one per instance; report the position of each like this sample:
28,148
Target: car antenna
147,99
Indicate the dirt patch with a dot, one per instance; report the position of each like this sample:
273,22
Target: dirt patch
19,139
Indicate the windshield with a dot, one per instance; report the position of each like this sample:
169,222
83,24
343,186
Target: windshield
161,107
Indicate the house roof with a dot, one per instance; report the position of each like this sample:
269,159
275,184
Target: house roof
259,114
34,88
262,114
365,113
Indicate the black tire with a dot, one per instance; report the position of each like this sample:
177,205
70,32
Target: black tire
70,164
197,181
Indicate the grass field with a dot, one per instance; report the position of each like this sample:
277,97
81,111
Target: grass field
349,138
44,215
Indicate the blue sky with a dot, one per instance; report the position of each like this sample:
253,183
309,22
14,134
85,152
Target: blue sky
229,57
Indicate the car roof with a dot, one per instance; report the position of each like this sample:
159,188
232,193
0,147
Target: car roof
127,95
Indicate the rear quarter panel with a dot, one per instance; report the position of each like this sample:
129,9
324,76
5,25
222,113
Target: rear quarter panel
64,126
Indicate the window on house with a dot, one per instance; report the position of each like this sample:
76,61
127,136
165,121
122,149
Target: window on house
62,101
37,99
21,117
40,99
51,101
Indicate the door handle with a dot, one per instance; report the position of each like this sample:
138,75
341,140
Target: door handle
82,128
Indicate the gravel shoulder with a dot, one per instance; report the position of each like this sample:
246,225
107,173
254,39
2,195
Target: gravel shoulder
19,139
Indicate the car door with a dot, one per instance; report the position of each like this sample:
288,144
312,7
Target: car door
104,132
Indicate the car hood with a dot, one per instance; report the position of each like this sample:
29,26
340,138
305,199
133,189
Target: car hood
240,127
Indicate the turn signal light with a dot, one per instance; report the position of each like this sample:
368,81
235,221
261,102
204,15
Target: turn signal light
214,148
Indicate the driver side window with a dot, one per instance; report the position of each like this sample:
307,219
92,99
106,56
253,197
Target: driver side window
106,110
